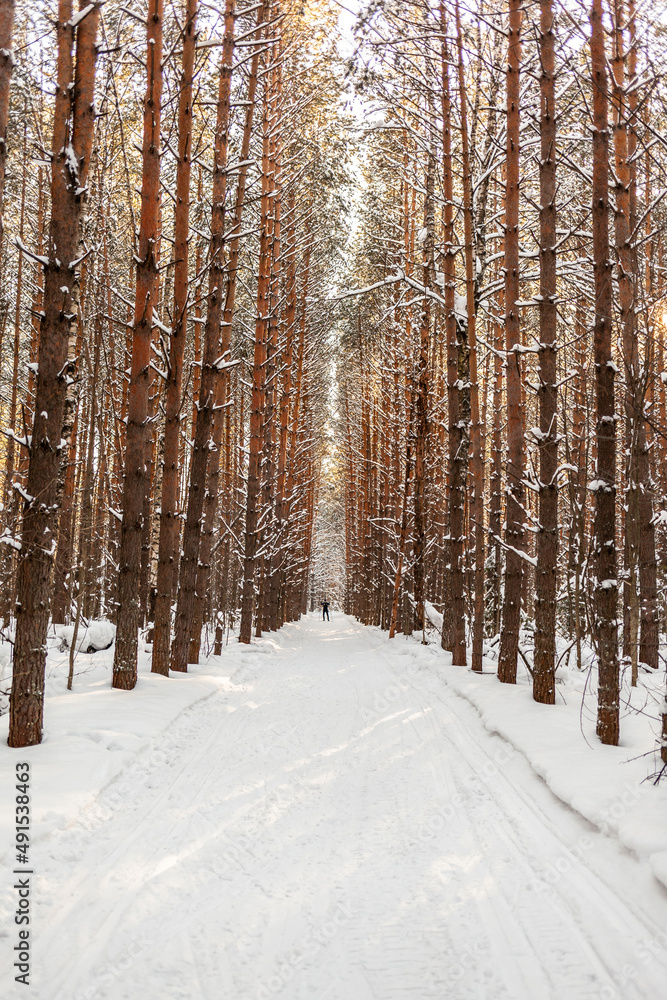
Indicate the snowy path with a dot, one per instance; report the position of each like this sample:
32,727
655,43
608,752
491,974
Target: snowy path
339,827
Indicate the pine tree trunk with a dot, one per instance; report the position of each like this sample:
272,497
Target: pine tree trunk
40,522
633,396
169,526
222,397
544,680
495,484
457,458
421,403
514,571
398,578
258,388
138,434
203,495
6,65
476,437
11,496
649,626
605,590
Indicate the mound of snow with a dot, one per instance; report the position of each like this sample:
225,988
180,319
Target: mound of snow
98,635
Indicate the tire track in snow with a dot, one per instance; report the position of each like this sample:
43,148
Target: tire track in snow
303,866
601,933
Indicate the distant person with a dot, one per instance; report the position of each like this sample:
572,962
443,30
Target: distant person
325,610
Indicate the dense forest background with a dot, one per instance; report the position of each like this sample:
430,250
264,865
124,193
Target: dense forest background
381,321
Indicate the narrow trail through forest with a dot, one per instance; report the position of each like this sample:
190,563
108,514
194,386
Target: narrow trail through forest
338,825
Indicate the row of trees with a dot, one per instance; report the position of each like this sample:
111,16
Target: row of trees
176,189
502,434
174,181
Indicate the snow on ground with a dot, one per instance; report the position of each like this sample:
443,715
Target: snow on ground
91,733
610,786
325,815
95,636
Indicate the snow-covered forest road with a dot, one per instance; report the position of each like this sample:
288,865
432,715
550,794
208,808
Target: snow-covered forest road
338,825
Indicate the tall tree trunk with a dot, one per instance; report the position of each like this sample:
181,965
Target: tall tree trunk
74,117
511,621
169,526
457,451
476,438
10,496
605,587
544,679
212,364
222,387
495,484
6,65
288,359
649,625
633,396
421,401
258,386
86,523
138,434
405,512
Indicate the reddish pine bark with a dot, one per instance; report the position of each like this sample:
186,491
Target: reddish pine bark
10,497
544,680
222,399
72,145
649,619
272,434
210,376
495,483
421,403
405,512
605,587
511,620
169,526
138,434
6,64
633,395
476,440
258,389
457,450
282,506
295,417
266,530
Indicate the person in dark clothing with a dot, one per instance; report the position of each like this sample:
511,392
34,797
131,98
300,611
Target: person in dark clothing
325,610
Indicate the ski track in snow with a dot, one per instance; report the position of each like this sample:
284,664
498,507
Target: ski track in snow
341,826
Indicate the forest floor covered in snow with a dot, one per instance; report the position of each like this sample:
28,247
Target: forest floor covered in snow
327,815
